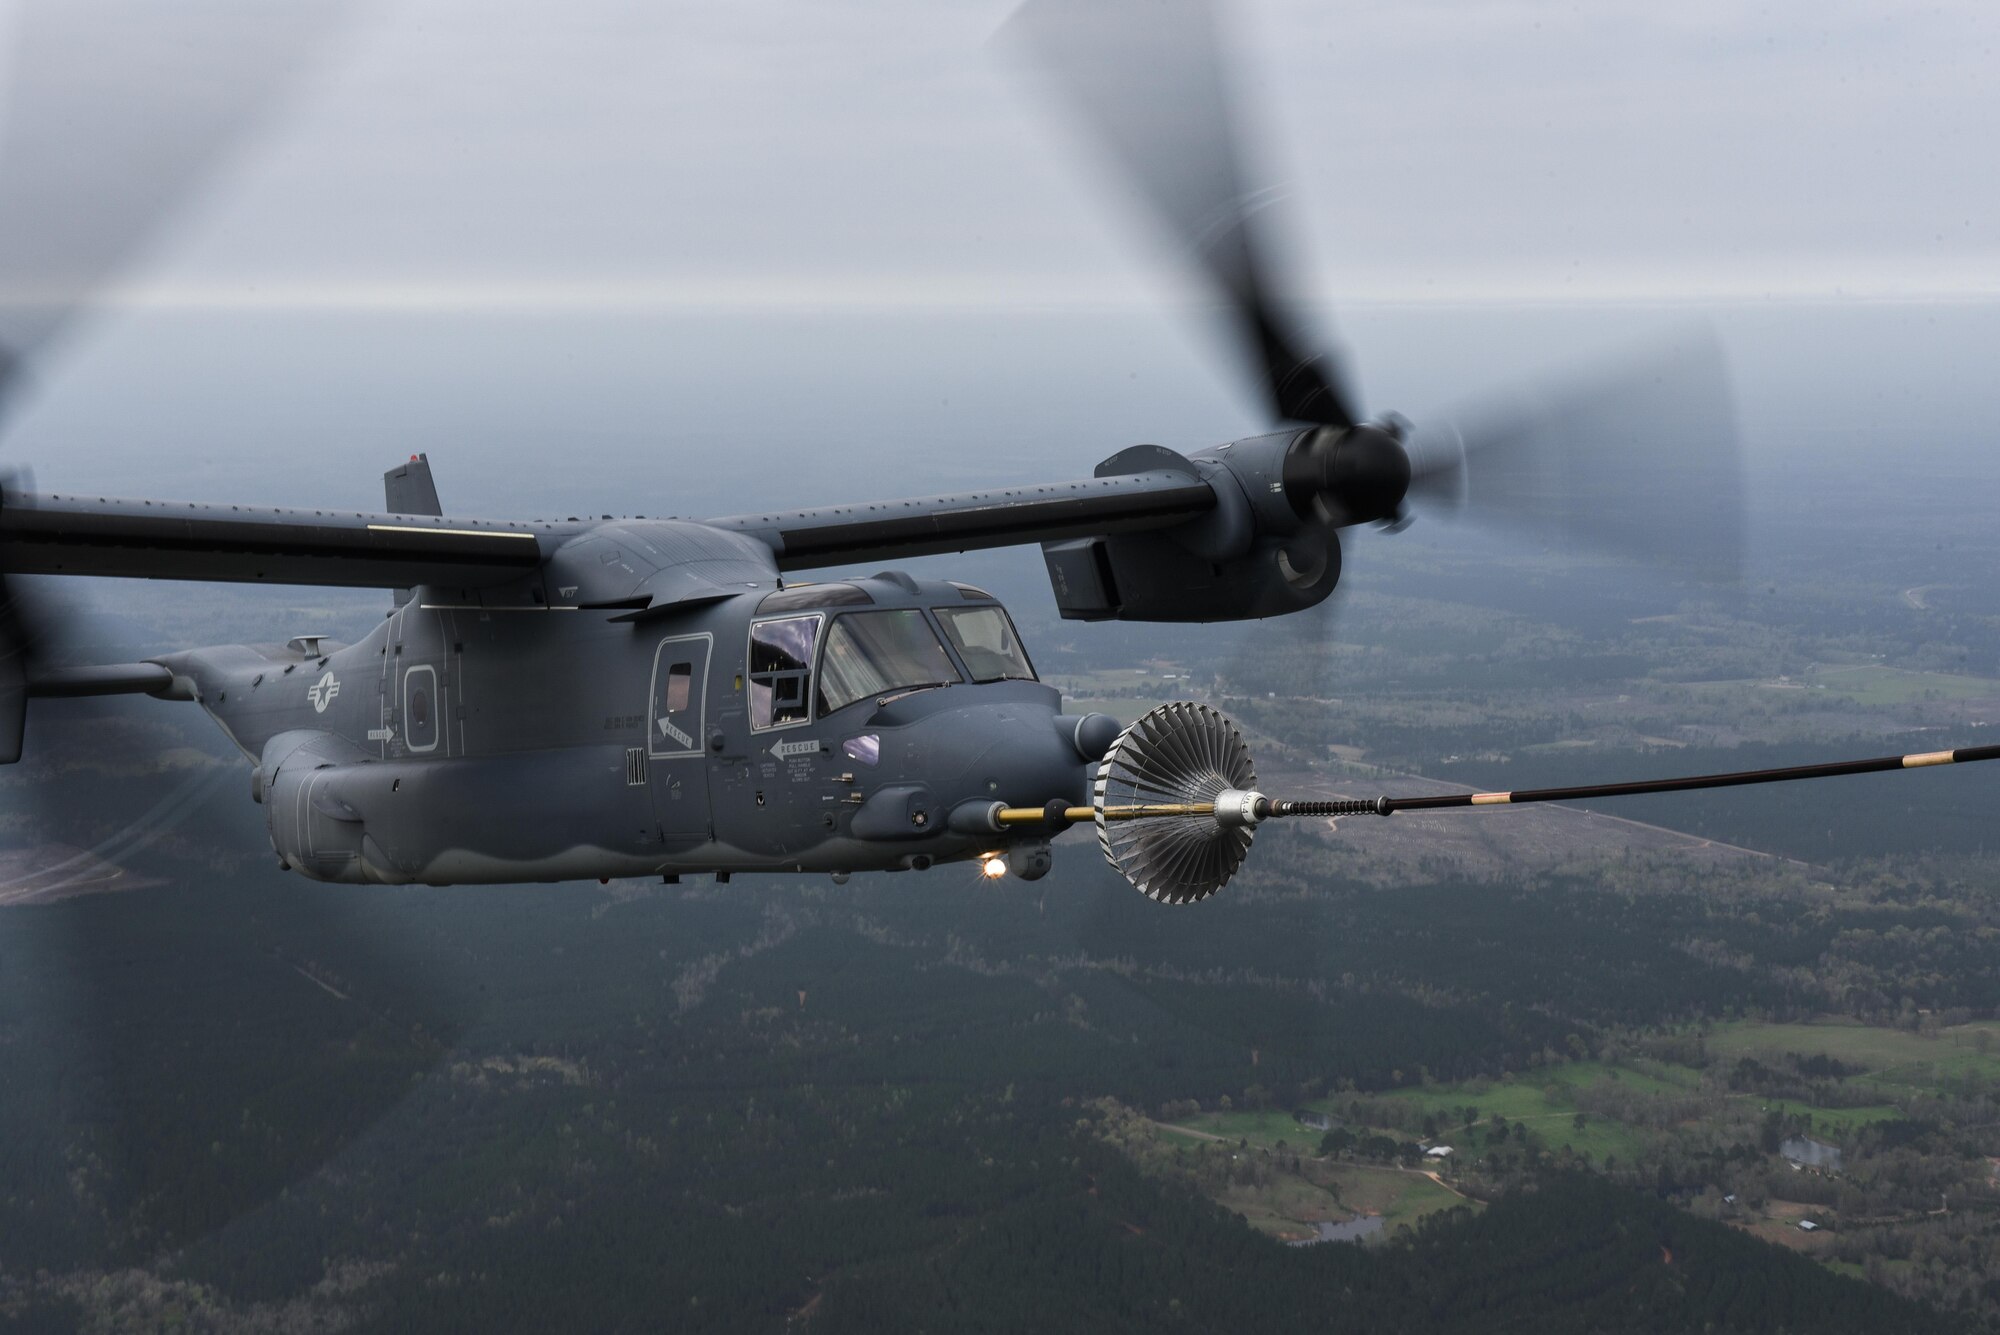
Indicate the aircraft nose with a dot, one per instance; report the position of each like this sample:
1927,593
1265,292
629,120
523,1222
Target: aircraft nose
1015,755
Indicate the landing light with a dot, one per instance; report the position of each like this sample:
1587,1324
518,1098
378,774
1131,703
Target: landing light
993,867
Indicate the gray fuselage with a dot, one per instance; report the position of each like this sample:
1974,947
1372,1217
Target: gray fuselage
481,742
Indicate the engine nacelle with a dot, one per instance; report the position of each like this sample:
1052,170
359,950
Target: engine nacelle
316,792
1150,577
1260,552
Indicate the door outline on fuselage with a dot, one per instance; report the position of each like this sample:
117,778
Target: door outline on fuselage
656,736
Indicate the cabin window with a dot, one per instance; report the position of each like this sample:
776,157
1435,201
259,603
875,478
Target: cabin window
680,680
420,724
781,655
673,723
986,643
877,653
680,673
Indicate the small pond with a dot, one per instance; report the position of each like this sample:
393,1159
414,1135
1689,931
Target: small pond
1346,1230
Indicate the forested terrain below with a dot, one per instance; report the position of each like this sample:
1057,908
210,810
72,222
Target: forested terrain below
250,1102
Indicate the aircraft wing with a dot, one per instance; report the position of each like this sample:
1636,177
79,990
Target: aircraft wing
1202,548
248,544
998,517
252,544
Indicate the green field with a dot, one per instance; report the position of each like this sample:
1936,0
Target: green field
1293,1203
1401,1197
1262,1130
1514,1101
1894,1062
1889,1066
1867,684
1287,1208
1896,1059
1876,685
1546,1101
1833,1120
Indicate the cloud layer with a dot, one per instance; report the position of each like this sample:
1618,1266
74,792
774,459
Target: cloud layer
481,153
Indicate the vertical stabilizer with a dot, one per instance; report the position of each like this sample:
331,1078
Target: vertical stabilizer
408,489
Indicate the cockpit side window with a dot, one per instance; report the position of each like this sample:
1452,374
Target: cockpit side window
986,643
874,653
780,670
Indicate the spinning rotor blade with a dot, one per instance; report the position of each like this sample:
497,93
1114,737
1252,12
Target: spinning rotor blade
114,118
1638,459
1145,80
115,114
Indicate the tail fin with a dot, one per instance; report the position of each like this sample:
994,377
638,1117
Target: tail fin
408,489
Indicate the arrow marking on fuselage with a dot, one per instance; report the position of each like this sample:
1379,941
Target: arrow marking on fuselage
782,750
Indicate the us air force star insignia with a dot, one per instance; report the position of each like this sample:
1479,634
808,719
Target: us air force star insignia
321,692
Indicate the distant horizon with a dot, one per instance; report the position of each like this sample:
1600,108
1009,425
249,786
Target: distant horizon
899,294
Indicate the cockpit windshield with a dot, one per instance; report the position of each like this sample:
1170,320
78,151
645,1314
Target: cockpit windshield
986,641
874,653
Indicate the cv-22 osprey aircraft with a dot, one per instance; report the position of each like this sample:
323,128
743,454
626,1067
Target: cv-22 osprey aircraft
644,696
619,697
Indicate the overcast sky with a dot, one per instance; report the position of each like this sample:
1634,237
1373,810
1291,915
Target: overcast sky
509,169
886,152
